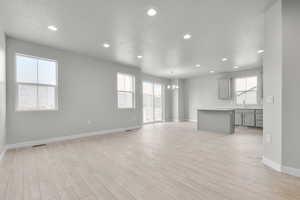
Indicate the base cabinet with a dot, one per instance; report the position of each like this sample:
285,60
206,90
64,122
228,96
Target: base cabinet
249,117
259,118
238,117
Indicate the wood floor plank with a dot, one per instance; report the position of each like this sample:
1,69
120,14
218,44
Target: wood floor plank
170,161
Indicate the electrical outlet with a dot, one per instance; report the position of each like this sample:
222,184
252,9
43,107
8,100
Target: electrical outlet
268,138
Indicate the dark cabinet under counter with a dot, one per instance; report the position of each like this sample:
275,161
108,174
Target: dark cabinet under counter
249,117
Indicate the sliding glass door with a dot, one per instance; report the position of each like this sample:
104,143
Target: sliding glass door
158,102
152,102
148,104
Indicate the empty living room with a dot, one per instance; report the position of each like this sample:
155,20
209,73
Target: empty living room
149,100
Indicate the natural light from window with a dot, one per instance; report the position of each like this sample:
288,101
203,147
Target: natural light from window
126,90
152,102
36,80
246,90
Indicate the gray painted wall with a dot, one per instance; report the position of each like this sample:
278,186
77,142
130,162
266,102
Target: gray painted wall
202,92
2,91
87,91
177,100
281,80
291,83
181,101
273,83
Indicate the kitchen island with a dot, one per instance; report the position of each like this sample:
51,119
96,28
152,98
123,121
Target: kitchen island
216,120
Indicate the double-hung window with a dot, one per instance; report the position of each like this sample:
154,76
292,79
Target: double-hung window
126,90
246,90
36,83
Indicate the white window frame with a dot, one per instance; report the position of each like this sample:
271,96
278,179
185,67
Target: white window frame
257,88
35,84
131,92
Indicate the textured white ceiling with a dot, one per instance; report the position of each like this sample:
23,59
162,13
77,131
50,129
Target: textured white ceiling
219,28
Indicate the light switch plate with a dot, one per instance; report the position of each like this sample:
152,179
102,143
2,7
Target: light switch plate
270,99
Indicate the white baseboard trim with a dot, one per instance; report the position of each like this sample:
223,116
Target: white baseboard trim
69,137
2,153
281,168
278,167
189,120
272,164
291,171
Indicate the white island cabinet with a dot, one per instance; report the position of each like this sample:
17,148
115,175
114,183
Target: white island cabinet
216,120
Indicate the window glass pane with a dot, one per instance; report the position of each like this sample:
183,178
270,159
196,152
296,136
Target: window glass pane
121,82
128,83
35,71
240,84
46,97
125,100
125,82
240,98
152,102
148,102
157,102
125,90
158,108
27,97
26,69
157,90
147,88
47,72
148,108
251,83
246,90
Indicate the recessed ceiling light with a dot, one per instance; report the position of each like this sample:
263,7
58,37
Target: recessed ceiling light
224,59
187,36
52,28
106,45
211,71
151,12
236,67
260,51
139,57
198,65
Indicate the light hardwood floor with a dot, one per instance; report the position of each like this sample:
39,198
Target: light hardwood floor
157,162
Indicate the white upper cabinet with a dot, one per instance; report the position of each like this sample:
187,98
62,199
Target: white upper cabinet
224,88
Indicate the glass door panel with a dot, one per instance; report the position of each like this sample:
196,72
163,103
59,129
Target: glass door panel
157,102
152,102
148,102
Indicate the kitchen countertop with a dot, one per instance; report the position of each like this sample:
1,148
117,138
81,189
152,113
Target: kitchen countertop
229,108
216,109
248,108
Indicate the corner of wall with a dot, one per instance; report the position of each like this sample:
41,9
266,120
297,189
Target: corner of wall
2,93
271,164
272,77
